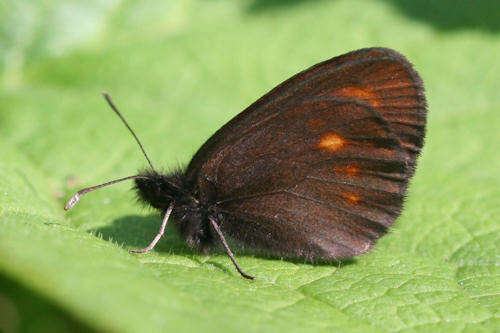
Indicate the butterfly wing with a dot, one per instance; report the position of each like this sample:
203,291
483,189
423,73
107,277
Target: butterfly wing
302,187
319,166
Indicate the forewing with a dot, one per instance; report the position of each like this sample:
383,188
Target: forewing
381,77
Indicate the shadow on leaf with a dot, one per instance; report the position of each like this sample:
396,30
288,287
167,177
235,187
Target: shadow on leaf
136,232
452,14
443,15
260,6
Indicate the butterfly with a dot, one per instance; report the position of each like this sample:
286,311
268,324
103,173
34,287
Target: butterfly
317,168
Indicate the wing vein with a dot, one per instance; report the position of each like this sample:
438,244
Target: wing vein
321,202
353,185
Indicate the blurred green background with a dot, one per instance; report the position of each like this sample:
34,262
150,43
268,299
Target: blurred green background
179,70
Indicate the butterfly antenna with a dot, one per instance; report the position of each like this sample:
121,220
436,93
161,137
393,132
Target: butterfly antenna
80,193
113,106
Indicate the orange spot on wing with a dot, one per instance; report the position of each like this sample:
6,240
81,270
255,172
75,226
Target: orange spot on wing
331,141
364,93
350,170
352,197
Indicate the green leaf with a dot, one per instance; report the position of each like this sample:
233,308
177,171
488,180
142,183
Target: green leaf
179,71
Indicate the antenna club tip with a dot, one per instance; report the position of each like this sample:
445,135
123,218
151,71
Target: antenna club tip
72,202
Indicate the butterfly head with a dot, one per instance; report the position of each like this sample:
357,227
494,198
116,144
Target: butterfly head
160,190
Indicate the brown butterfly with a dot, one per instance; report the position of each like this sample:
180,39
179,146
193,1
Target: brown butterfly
317,168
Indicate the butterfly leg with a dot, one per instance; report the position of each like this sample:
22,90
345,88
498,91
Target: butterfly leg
228,250
160,233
